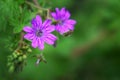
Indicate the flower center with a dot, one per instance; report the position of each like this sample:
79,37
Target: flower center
60,22
39,33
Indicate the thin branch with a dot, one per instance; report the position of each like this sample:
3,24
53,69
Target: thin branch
36,3
48,14
38,7
20,41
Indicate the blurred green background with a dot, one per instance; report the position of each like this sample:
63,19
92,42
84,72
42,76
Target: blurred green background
92,52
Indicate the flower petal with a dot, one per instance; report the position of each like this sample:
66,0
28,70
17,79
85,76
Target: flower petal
54,15
37,22
62,12
57,10
71,27
34,24
70,21
49,29
35,42
27,29
67,15
50,39
40,44
29,36
57,13
64,29
57,28
47,23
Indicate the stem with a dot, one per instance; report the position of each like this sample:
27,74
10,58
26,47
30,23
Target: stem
36,6
21,41
36,3
48,14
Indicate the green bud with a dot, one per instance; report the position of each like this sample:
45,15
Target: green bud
29,50
25,46
20,59
40,11
11,69
14,55
24,56
18,53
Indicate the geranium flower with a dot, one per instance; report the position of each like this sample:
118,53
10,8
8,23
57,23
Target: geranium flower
40,33
64,24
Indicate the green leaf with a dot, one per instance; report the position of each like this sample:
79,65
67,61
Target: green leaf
18,29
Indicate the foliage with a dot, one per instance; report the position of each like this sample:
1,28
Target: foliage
91,52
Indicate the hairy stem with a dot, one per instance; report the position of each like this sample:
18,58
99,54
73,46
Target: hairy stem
20,41
36,6
36,3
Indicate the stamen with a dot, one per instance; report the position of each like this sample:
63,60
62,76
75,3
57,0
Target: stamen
39,33
60,22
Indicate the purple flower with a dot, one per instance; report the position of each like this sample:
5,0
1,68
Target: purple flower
64,24
40,33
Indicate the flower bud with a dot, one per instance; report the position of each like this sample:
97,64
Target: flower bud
24,56
18,53
25,46
14,55
40,11
29,50
20,59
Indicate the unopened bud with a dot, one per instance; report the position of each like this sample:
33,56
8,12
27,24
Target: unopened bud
20,59
18,53
14,55
24,56
29,50
40,11
25,46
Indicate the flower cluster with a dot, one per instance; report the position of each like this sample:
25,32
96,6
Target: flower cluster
41,32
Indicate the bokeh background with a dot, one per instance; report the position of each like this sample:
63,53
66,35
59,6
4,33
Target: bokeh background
92,52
